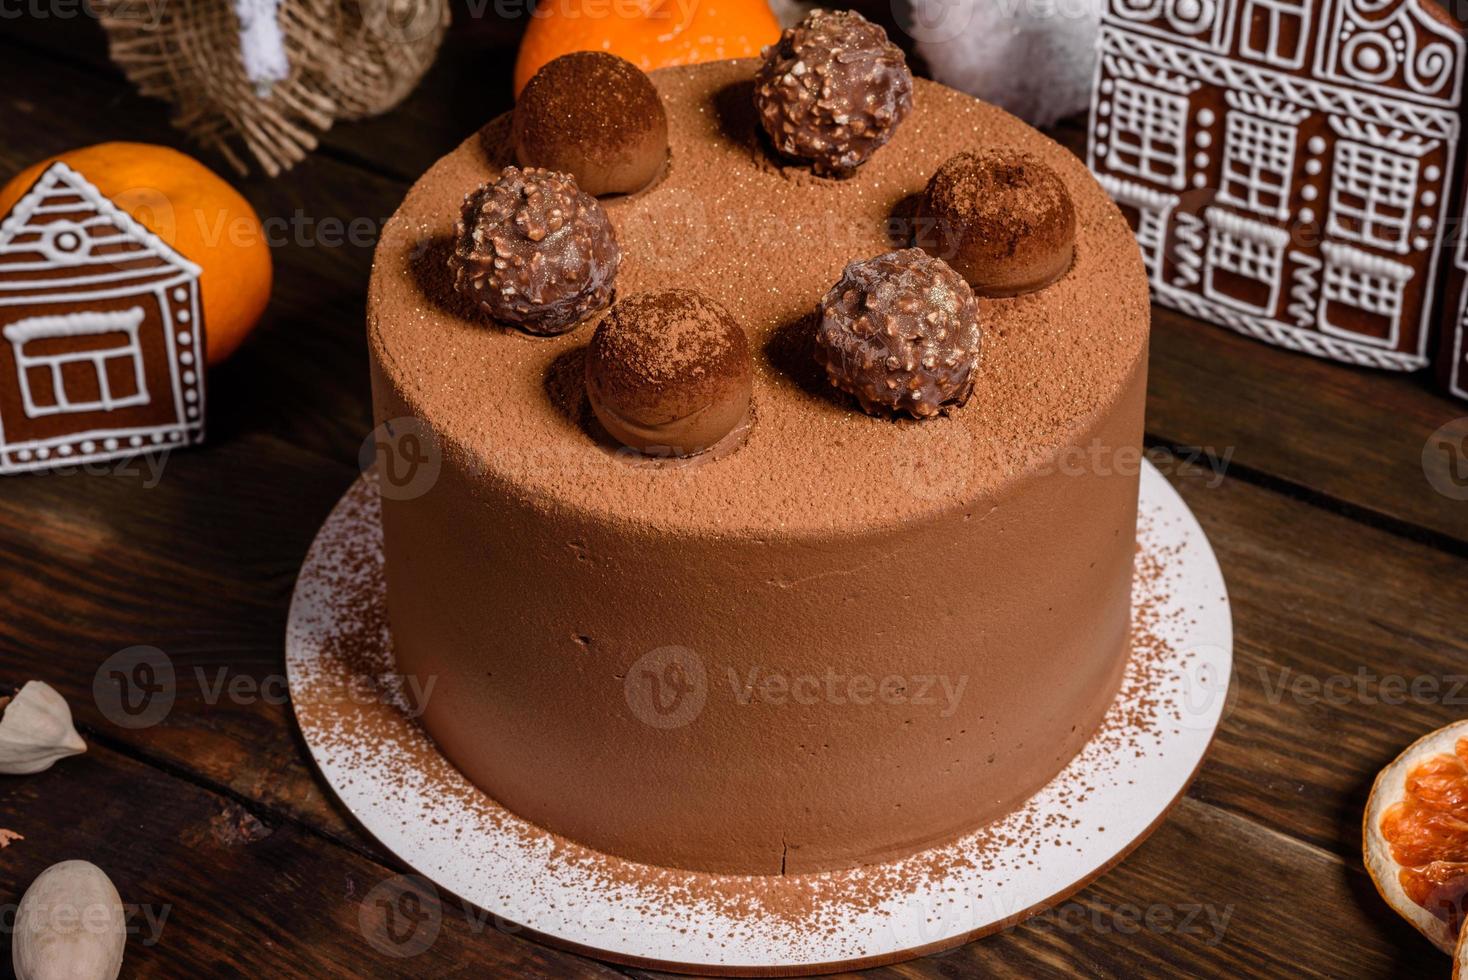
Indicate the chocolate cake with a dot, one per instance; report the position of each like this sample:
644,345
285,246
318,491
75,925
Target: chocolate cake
836,635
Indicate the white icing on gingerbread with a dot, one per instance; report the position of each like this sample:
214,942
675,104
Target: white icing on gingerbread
1339,118
92,306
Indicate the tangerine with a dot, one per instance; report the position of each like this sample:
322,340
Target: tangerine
649,33
195,212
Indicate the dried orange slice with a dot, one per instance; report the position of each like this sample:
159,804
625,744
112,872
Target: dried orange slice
1415,838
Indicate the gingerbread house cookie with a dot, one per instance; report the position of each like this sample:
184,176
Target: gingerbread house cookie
1452,359
101,332
1286,164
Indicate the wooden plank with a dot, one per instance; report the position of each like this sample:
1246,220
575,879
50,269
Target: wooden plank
1210,894
1352,436
1349,645
223,890
239,892
197,557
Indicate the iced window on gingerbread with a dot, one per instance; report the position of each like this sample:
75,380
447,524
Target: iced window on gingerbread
1371,196
1362,294
1259,158
1275,31
85,362
1149,138
1242,267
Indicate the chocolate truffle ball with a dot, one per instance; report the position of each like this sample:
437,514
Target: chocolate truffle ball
900,332
832,90
1003,219
669,373
534,250
594,116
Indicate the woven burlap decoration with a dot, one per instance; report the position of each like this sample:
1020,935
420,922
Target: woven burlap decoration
348,59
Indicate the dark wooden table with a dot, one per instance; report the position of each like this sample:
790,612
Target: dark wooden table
1342,559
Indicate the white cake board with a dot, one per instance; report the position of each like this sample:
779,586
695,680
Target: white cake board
464,843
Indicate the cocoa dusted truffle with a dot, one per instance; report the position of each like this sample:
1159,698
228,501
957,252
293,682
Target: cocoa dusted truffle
900,332
1004,220
832,90
535,250
669,373
594,116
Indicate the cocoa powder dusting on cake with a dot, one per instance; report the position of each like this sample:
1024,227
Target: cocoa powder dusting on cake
669,371
358,714
1003,219
596,116
591,97
767,248
670,336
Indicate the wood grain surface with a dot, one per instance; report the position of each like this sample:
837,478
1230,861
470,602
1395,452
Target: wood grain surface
1347,568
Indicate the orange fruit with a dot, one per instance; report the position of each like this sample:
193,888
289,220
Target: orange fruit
649,33
197,213
1415,838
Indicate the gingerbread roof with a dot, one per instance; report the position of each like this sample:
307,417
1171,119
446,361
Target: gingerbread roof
64,241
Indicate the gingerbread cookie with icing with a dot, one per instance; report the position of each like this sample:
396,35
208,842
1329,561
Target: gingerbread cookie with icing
1452,359
1286,164
101,332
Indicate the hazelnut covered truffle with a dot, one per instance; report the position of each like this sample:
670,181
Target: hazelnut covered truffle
832,91
1003,219
535,250
669,373
595,116
900,333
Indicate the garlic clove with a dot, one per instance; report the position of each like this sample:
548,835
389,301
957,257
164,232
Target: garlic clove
69,925
36,730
